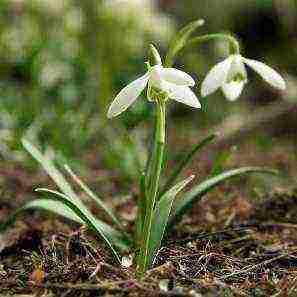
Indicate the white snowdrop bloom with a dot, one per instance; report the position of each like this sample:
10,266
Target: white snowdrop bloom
173,82
231,76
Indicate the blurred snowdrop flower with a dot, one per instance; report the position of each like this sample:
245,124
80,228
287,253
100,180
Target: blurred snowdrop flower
231,76
169,82
142,16
54,7
53,72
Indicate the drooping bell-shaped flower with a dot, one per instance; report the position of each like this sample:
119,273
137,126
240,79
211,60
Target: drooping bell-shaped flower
172,83
230,75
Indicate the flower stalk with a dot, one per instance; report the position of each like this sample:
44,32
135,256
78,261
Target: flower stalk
154,168
152,184
234,46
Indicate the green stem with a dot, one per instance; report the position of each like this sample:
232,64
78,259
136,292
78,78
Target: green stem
141,207
234,44
152,186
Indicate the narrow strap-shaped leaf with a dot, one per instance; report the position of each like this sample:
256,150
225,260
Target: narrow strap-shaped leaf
58,207
51,205
51,170
66,188
55,206
93,196
152,179
180,41
219,162
185,161
11,219
161,216
141,207
184,203
86,215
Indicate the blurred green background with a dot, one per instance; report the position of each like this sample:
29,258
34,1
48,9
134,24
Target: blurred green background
63,61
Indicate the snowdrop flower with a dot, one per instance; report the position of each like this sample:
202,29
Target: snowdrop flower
165,82
231,76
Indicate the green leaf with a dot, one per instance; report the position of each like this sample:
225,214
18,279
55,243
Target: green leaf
220,160
62,209
57,207
152,179
179,42
141,207
82,212
184,203
93,196
185,161
51,170
161,216
69,198
50,205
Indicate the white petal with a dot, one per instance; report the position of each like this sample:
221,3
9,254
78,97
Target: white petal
267,73
155,79
184,95
216,77
177,77
233,89
237,69
127,96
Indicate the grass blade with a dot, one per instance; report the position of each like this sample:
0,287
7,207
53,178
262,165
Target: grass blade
93,196
161,216
194,195
179,42
82,212
185,161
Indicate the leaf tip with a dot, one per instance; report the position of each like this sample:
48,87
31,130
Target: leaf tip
200,22
192,176
39,190
217,134
24,142
67,168
274,171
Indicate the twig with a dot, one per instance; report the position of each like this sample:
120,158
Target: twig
283,225
253,267
88,287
